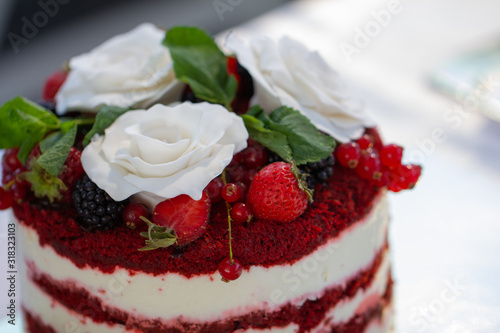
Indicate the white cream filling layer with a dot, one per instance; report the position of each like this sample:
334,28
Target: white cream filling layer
205,297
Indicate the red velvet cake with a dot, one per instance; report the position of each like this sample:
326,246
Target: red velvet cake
188,190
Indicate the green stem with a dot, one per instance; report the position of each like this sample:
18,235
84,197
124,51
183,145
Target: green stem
84,121
228,207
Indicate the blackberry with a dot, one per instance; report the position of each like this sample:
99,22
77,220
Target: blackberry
318,172
96,209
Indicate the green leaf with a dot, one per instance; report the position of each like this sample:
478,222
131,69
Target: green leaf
53,159
106,115
200,63
26,123
289,134
157,236
49,141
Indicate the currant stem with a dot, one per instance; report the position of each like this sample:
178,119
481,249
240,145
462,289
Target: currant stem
228,207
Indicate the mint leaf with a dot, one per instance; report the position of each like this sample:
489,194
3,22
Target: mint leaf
26,124
200,63
53,159
289,134
49,141
106,115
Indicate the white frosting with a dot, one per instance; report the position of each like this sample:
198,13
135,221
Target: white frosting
164,151
258,288
286,73
133,69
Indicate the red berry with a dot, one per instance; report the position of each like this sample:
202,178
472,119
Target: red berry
369,166
255,157
231,192
230,270
348,154
5,199
365,142
232,68
241,213
52,85
18,192
10,161
214,188
383,180
237,173
132,213
185,216
410,173
391,155
275,194
71,172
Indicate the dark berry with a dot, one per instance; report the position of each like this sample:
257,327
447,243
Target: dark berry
255,157
97,210
10,161
318,172
230,269
18,192
214,188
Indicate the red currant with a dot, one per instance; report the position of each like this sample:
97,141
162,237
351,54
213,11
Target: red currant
231,192
255,157
230,269
241,213
369,166
132,214
365,142
244,191
383,180
237,173
18,192
348,154
10,161
411,173
5,199
391,155
213,189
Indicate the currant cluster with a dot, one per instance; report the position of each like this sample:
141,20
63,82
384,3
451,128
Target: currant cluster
383,166
14,188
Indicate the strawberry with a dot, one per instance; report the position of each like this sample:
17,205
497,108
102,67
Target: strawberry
275,194
186,217
52,85
71,172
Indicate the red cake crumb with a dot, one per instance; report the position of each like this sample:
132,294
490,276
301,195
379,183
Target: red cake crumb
346,199
307,316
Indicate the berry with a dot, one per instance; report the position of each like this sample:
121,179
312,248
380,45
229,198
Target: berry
365,142
230,269
231,192
10,162
5,199
97,210
232,68
214,188
185,216
241,213
255,157
318,172
237,173
275,194
348,154
132,214
18,192
71,172
52,85
391,155
369,166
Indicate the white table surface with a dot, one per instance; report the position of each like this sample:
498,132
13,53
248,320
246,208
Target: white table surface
445,234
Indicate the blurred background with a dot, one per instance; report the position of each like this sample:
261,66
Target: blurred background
429,72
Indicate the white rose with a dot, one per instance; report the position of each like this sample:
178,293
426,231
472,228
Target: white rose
129,70
165,151
288,74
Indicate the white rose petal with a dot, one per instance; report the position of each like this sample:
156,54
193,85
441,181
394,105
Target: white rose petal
288,74
129,70
165,151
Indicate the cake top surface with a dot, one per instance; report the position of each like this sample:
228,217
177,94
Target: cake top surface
158,140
